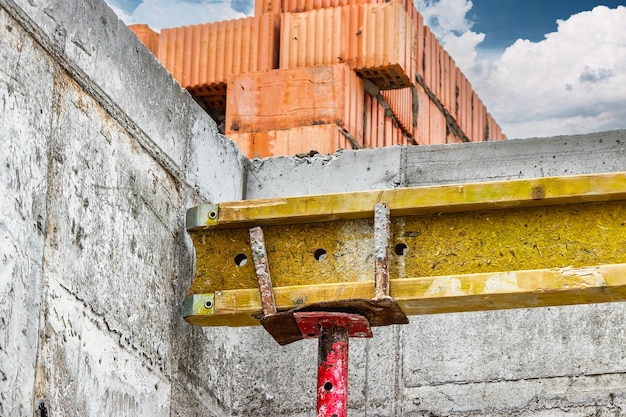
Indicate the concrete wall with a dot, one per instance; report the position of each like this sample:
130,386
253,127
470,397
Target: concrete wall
100,155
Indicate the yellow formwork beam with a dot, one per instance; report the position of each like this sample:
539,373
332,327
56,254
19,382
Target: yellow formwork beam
507,244
433,295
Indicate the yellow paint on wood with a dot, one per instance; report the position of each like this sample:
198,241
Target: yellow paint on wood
443,294
434,245
409,201
473,246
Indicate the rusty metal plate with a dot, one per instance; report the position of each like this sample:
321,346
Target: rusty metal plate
284,327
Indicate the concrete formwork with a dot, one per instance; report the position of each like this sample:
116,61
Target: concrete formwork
99,161
101,153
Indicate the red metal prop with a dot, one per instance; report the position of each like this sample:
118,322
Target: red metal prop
334,331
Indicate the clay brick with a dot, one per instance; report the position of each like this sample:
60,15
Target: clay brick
437,126
324,139
430,59
422,127
495,132
478,120
262,7
285,98
403,106
299,6
449,82
202,57
380,130
147,36
419,42
463,102
376,40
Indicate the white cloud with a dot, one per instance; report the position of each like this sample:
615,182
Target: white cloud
574,81
445,16
160,14
448,21
463,47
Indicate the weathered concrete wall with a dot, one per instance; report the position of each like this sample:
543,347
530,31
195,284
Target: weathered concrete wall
100,155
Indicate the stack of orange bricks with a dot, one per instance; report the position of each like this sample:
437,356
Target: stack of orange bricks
324,75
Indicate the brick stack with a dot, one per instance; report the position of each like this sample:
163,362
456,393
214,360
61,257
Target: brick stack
324,75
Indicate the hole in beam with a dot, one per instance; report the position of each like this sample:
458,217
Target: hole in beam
241,259
401,249
320,254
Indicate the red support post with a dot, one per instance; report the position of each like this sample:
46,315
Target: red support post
333,330
332,372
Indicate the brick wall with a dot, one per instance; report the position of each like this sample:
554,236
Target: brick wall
411,92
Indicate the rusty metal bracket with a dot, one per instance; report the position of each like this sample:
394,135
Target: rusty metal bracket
382,237
262,269
382,310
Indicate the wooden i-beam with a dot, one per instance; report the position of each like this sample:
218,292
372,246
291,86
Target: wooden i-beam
466,247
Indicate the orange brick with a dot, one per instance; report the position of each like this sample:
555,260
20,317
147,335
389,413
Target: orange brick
380,130
376,40
402,106
430,58
437,126
262,7
280,99
299,6
422,127
324,139
478,120
419,43
202,57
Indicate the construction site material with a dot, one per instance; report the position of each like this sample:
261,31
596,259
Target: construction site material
298,97
202,57
455,247
377,40
97,261
306,140
384,43
332,366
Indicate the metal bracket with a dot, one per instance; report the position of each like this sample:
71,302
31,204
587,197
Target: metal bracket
202,216
312,323
382,310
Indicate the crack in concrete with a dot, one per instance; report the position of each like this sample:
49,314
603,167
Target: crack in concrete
124,340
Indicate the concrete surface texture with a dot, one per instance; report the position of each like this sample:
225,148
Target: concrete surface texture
99,161
101,153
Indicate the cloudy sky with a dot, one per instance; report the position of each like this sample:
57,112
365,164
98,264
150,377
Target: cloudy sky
542,67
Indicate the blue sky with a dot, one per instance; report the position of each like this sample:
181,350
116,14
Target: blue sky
542,67
505,21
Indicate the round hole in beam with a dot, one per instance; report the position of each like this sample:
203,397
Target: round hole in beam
328,386
401,249
320,254
241,259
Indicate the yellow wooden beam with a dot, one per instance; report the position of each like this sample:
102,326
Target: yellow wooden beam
442,294
410,201
507,244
